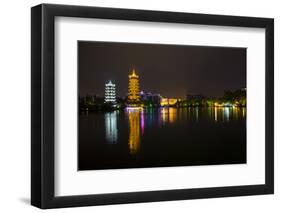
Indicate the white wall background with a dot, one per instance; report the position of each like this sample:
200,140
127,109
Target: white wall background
15,105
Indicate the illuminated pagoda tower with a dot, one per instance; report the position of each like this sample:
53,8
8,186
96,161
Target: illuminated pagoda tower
133,90
110,96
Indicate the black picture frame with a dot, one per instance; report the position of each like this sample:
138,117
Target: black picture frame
43,117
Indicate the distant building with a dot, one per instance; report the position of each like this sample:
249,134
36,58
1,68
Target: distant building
149,97
133,89
195,97
196,100
169,101
110,95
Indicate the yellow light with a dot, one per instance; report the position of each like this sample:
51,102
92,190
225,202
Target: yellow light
134,133
134,108
133,89
218,105
168,101
172,115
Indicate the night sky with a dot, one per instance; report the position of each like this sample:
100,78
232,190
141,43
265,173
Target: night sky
170,70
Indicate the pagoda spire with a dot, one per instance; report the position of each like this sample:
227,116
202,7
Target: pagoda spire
134,72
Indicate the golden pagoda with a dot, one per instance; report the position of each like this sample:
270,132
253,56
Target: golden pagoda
133,89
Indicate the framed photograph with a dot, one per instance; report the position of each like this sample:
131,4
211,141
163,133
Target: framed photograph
139,106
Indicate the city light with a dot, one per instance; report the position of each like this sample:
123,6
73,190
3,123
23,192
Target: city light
134,132
143,99
111,131
168,101
133,90
110,94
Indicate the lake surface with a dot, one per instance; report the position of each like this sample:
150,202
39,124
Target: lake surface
162,137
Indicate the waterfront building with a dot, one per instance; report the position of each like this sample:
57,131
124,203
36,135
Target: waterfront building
150,98
133,89
169,101
196,100
110,94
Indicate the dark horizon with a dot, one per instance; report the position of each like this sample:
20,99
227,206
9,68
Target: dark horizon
170,70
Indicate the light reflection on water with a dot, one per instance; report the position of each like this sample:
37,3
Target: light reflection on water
111,131
168,115
134,131
139,119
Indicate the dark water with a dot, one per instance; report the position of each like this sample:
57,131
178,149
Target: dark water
162,137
